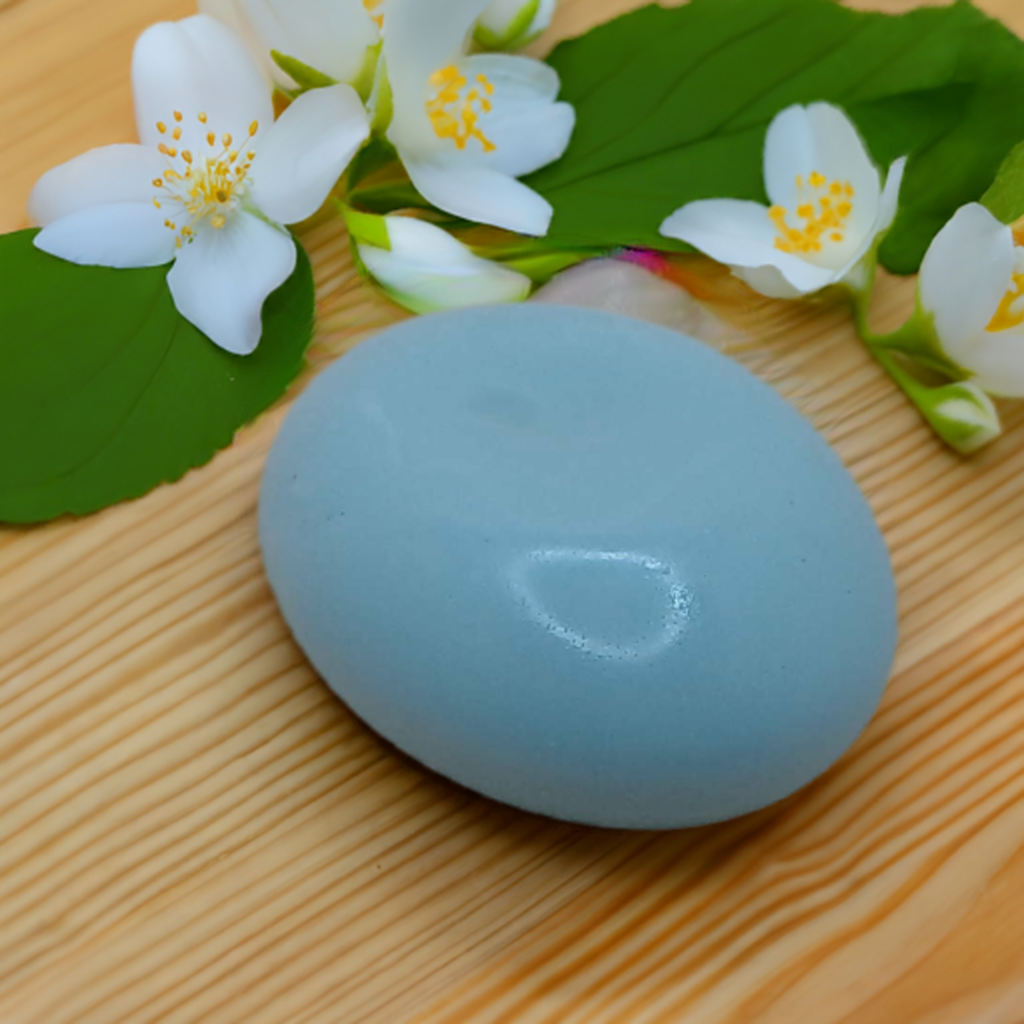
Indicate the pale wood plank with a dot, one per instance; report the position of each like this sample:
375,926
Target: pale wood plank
194,829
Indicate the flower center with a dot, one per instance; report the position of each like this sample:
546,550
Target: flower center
824,207
203,189
456,107
371,6
1011,309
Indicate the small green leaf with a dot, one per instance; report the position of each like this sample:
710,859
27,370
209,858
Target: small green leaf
673,105
107,392
380,100
1005,199
366,228
305,77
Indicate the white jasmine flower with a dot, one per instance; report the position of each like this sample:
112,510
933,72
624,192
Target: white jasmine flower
829,209
511,24
425,269
972,288
211,184
335,37
466,127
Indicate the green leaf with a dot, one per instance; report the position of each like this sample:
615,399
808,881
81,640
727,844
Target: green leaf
304,76
107,392
673,106
366,228
1005,199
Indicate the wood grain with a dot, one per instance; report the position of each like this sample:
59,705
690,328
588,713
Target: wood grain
193,829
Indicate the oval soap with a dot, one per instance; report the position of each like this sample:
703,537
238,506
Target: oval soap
580,564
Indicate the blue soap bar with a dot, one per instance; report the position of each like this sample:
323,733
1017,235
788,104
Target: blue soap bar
580,564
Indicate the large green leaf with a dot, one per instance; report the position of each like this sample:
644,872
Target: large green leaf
1005,199
106,392
673,106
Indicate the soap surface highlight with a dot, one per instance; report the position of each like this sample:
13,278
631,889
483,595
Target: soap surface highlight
580,564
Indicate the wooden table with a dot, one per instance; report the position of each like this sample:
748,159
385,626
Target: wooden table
193,829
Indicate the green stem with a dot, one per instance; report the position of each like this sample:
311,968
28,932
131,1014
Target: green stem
909,385
541,267
912,339
959,413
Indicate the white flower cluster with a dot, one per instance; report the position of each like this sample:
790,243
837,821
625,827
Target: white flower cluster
830,210
215,177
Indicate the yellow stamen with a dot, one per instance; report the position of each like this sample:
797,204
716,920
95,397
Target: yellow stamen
1011,308
161,127
824,221
455,111
176,134
211,186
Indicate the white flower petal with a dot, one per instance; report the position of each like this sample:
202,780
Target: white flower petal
890,199
479,194
221,280
965,274
529,139
231,14
329,35
998,363
770,282
527,127
516,80
852,272
731,226
305,152
739,234
821,138
197,66
419,39
121,235
110,174
429,270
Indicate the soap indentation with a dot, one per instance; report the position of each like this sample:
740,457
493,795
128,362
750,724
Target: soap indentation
615,605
